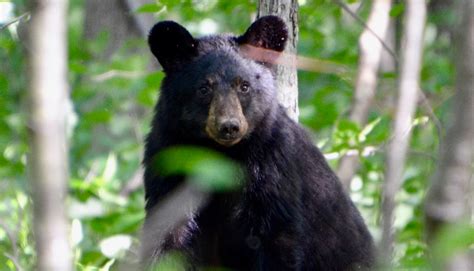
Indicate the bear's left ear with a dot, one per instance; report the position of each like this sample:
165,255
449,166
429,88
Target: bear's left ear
172,45
268,32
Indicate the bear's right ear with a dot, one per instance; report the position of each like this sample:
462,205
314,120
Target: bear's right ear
264,40
268,32
171,44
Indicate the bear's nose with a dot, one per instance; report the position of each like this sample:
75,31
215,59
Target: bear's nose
229,129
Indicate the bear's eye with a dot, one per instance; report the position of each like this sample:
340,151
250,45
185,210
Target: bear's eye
244,87
204,90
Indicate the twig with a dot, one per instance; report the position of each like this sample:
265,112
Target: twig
368,28
12,236
425,103
19,18
292,60
117,73
15,261
371,150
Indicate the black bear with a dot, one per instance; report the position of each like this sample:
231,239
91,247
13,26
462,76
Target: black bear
292,213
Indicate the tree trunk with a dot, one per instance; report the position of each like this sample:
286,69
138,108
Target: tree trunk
412,51
116,18
286,75
48,161
450,197
369,61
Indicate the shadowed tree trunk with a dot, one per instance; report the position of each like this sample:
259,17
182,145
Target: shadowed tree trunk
116,18
450,198
286,75
110,17
48,160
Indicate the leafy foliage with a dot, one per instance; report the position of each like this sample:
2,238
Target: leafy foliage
112,105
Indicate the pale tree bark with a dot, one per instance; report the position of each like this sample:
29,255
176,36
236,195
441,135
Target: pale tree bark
388,63
450,198
412,51
48,161
370,46
286,75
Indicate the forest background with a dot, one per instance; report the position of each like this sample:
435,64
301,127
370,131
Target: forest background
113,83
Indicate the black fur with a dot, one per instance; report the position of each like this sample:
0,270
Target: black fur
292,213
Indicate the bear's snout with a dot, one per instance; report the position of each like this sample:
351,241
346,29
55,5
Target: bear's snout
226,131
226,123
229,129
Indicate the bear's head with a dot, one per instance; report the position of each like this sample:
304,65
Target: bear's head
214,88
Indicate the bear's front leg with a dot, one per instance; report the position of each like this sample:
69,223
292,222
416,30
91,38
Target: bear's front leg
276,235
281,251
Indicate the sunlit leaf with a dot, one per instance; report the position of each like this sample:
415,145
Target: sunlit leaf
150,8
115,246
367,129
397,10
207,168
110,167
76,232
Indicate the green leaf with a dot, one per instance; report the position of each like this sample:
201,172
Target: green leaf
171,261
347,125
367,129
208,169
110,167
346,136
150,8
452,240
397,10
101,115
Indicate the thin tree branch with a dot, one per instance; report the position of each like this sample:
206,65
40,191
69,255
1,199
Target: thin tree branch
17,19
15,260
425,103
368,28
117,74
12,236
406,106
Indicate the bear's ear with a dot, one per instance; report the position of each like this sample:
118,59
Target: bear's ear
268,32
171,44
